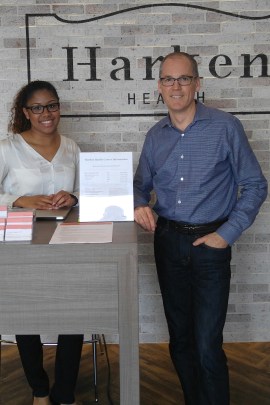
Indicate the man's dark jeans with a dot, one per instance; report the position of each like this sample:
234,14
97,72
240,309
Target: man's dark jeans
194,283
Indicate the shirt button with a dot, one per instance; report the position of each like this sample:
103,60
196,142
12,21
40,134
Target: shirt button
182,156
179,201
182,178
182,135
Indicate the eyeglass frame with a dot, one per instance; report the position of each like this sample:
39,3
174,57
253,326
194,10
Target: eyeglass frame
177,79
43,108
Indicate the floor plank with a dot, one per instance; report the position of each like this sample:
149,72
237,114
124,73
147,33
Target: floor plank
249,365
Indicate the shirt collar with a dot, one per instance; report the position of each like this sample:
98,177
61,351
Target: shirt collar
202,113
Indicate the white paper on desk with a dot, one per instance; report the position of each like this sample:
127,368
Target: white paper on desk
69,232
106,186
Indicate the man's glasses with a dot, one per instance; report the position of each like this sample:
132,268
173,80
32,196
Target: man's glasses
182,80
38,109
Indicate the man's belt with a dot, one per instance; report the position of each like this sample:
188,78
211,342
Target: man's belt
191,229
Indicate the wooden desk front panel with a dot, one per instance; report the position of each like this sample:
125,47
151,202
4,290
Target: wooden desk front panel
63,288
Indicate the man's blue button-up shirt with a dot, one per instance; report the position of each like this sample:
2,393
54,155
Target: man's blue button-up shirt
197,174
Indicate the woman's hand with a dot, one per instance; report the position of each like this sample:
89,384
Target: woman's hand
63,199
45,202
41,202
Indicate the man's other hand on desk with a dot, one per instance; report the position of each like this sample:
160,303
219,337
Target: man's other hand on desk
144,217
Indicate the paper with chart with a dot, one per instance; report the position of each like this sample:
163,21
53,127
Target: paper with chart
106,186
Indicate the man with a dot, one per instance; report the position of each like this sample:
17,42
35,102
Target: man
196,160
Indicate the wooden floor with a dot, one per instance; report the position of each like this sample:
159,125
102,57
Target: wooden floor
249,365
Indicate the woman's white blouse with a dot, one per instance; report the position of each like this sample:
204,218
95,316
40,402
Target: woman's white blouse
23,171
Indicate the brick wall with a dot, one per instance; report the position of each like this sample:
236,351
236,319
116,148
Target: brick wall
106,69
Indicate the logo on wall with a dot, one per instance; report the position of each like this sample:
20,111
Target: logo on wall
108,65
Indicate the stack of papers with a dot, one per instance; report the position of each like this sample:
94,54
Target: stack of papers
2,229
3,211
19,226
3,216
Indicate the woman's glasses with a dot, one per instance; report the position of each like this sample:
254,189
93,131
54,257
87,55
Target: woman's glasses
38,109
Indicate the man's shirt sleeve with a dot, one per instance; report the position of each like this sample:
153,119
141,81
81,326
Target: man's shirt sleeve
143,183
251,182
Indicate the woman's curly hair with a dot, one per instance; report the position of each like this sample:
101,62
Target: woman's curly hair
18,121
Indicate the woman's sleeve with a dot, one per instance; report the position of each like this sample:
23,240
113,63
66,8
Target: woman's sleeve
5,198
77,172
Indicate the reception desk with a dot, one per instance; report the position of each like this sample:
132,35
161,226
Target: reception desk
75,288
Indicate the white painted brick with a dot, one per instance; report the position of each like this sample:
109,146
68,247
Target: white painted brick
22,10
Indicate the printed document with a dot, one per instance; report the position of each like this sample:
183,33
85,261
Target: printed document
106,186
70,232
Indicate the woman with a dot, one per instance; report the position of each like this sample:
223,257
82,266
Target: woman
39,169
